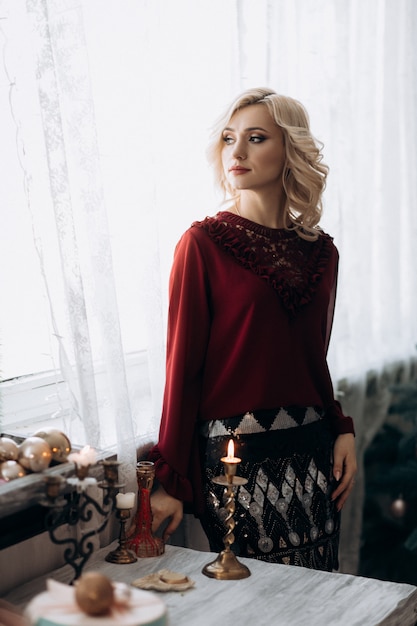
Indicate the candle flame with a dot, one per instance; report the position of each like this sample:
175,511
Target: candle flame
86,456
230,459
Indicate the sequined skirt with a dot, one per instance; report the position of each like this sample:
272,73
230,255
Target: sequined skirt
284,514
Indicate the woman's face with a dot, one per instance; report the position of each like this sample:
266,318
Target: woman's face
253,153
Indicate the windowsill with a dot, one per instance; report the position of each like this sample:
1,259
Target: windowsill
22,493
22,516
35,402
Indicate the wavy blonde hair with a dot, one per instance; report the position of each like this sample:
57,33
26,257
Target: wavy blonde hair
304,174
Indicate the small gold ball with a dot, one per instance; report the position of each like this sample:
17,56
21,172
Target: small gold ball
58,442
10,470
34,454
94,593
9,449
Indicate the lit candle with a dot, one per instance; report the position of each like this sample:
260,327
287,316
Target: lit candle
231,458
230,461
85,457
125,500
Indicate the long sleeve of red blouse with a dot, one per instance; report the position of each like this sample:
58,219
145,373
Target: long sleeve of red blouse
176,455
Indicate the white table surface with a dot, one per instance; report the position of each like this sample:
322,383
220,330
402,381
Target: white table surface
279,595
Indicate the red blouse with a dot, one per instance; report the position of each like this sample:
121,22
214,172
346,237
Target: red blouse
250,315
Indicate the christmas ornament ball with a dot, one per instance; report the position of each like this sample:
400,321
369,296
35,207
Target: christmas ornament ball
94,593
34,454
58,442
9,450
10,470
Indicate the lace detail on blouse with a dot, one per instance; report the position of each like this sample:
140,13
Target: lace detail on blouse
290,264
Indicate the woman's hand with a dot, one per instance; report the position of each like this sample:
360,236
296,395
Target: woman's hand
165,507
344,468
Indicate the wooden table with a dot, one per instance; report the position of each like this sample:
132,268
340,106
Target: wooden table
278,595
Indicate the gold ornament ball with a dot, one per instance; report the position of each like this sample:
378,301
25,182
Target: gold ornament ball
34,454
10,470
58,442
94,593
398,507
9,450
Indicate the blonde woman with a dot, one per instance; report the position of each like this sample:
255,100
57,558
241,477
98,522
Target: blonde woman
252,294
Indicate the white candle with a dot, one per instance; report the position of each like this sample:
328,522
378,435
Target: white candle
231,458
125,500
86,456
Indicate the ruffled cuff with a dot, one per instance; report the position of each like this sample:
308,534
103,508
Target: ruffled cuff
339,423
174,484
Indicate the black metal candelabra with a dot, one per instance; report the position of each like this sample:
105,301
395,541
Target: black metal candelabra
76,506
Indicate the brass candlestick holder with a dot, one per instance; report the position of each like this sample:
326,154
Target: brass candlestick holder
226,566
122,555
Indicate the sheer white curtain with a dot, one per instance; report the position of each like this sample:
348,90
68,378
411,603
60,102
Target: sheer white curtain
112,102
352,64
110,169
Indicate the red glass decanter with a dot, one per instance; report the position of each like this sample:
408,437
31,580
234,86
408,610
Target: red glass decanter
143,542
